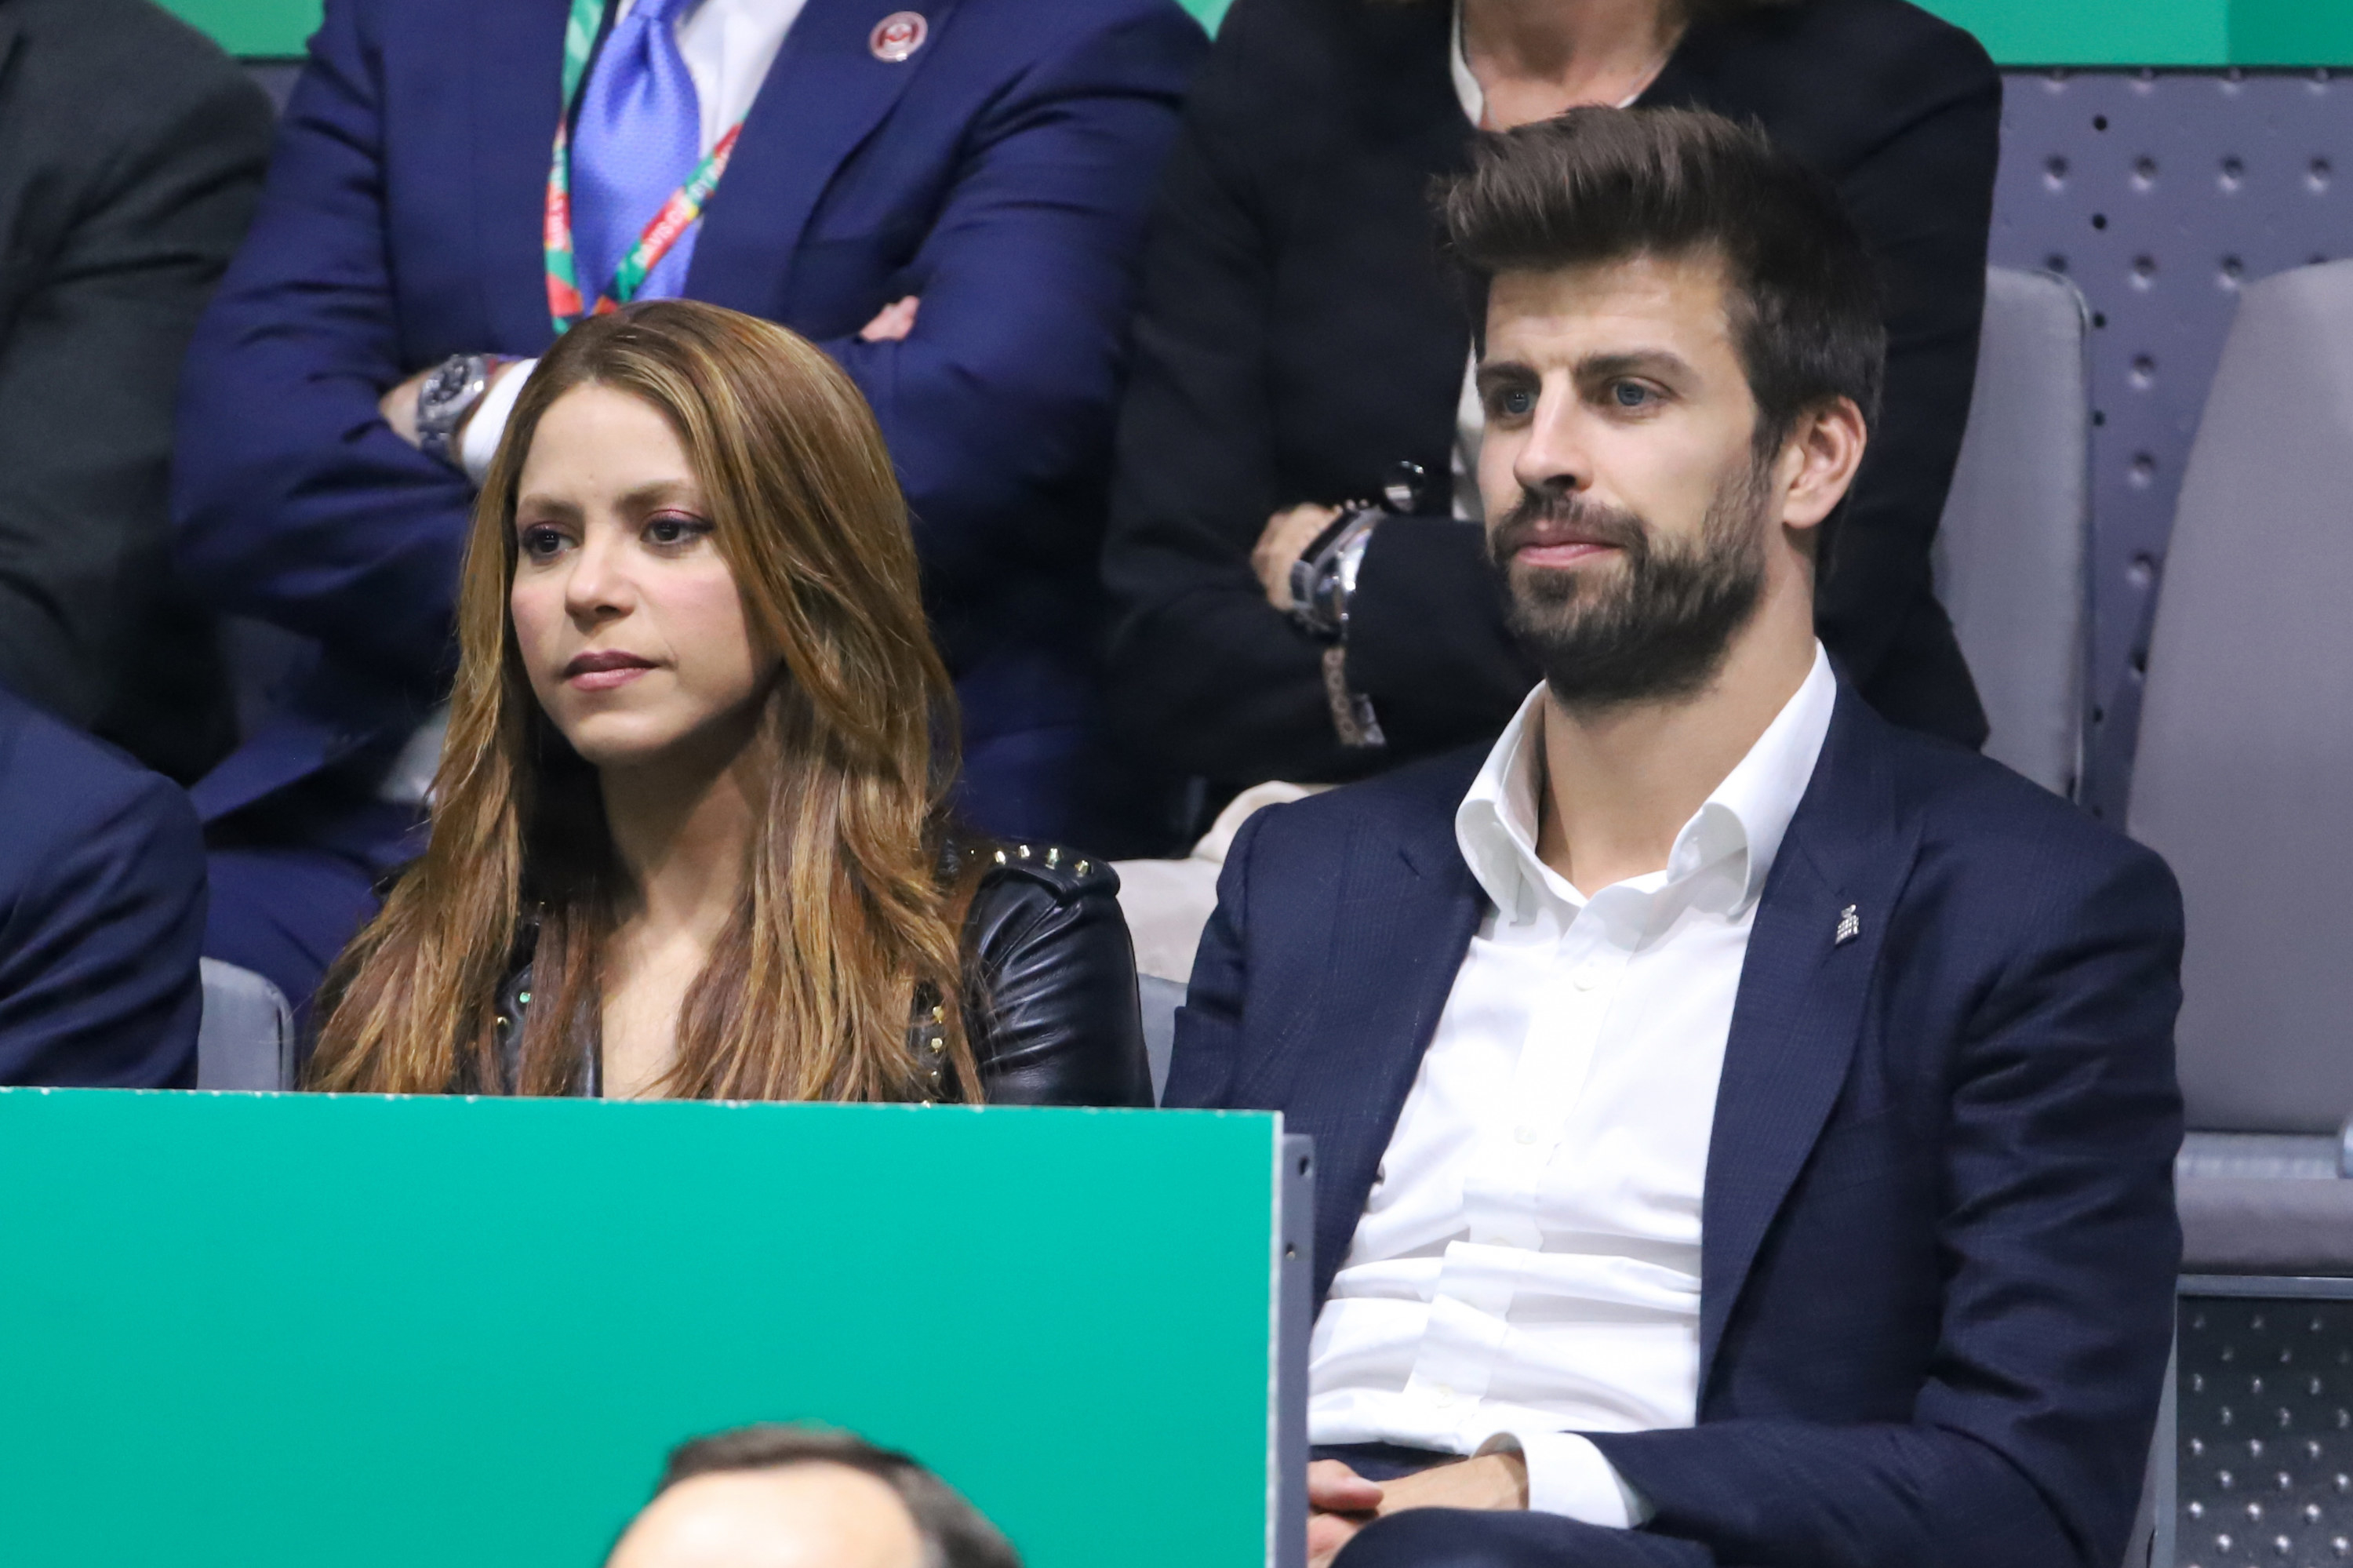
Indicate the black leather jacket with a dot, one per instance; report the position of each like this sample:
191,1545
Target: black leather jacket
1056,1022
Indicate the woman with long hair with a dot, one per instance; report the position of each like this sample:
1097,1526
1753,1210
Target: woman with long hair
691,830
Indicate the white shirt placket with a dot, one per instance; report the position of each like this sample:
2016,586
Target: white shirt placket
1580,953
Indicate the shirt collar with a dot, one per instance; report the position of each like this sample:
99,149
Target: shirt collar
1467,91
1742,821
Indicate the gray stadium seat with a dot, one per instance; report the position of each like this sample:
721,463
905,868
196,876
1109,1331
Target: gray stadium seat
2246,743
2246,752
246,1038
2012,551
1159,999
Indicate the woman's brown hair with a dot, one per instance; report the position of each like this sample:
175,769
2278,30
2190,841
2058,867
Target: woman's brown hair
848,914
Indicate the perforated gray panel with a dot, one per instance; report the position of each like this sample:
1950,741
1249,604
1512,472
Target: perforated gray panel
2159,195
2266,1433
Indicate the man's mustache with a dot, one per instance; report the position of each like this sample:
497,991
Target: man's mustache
1558,513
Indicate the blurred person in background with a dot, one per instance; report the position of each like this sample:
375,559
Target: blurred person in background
131,153
947,195
801,1497
1301,336
692,831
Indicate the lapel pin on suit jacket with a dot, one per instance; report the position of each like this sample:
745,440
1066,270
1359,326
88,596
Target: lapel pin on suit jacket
1849,926
897,36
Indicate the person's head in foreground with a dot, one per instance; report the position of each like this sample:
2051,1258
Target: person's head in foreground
800,1497
690,828
1743,1128
1682,357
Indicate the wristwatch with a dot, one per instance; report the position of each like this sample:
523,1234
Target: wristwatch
1324,579
447,396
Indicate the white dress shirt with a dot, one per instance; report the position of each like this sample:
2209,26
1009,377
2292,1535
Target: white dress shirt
1527,1265
728,46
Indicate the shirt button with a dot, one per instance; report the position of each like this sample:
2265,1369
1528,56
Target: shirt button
1524,1135
1586,978
1442,1395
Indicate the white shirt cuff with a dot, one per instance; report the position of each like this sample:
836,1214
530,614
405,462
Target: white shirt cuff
1568,1476
480,442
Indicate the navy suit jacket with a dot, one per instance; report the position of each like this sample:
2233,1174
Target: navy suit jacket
1001,174
101,912
1938,1242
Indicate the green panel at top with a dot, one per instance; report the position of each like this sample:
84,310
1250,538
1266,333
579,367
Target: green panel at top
2187,33
259,28
284,1331
2018,32
2097,32
2291,32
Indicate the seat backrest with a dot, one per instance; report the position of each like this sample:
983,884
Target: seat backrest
246,1038
2245,758
1159,999
2011,555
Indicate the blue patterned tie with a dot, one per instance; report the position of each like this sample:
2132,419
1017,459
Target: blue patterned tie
639,135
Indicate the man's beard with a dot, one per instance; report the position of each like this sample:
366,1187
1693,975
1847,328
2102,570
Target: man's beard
1659,630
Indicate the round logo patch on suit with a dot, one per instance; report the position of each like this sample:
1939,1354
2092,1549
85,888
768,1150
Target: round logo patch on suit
899,34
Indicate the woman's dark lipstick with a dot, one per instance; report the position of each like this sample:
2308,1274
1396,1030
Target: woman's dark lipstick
602,672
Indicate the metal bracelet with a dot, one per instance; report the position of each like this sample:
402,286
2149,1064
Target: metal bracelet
1352,712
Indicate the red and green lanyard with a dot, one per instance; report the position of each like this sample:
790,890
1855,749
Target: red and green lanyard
564,301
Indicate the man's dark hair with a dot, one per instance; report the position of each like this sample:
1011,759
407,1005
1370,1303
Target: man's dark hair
955,1534
1609,185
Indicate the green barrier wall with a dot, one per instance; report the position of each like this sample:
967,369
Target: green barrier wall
2018,32
265,1331
255,27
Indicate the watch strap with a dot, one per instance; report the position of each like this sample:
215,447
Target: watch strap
1352,711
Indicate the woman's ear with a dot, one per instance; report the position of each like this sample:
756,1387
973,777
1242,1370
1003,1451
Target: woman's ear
1819,463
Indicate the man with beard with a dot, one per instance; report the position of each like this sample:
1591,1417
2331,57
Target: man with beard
1744,1130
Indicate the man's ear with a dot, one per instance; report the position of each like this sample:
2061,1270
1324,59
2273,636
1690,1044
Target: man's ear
1819,463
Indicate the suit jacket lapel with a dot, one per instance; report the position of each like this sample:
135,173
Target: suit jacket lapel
1407,909
517,67
1801,1003
824,95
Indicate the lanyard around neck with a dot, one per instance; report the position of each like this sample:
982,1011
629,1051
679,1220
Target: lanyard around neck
566,304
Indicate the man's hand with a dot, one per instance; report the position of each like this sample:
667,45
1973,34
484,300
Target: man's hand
1340,1502
895,321
1493,1483
1287,536
398,406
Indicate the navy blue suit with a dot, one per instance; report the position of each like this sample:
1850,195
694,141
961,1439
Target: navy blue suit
1001,174
101,913
1938,1239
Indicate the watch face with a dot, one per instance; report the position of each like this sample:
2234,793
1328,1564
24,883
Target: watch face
448,384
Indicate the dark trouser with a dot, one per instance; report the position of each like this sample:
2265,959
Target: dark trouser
293,880
1453,1537
1065,785
285,914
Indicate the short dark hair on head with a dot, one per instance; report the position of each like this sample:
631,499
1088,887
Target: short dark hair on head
956,1534
1609,185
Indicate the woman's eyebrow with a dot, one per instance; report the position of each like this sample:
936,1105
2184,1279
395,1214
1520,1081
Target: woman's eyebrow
655,494
546,506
